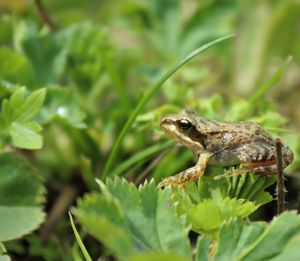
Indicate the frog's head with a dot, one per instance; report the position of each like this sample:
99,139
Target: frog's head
183,128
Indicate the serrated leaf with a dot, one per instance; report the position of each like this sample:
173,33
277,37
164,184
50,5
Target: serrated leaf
291,250
221,200
208,215
241,236
25,137
150,205
18,221
104,220
21,192
246,186
258,240
141,220
274,238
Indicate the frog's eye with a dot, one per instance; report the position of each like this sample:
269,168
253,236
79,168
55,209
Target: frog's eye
184,125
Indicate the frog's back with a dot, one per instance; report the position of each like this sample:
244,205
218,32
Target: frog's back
220,135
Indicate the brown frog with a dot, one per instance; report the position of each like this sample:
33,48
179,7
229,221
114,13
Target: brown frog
223,143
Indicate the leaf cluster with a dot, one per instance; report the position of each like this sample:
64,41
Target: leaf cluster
147,222
16,119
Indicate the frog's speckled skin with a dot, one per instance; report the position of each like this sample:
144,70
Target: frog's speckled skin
225,143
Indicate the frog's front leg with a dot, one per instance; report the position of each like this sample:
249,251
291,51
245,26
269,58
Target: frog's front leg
187,175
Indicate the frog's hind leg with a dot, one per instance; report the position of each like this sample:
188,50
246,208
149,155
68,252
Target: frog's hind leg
188,175
267,168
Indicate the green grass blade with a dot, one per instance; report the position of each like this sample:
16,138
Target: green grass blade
265,87
79,241
280,130
137,158
148,95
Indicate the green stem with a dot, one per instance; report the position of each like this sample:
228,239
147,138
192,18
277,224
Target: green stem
142,156
79,241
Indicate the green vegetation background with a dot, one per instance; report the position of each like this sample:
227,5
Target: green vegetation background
85,66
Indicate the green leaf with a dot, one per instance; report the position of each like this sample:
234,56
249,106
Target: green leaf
241,236
6,111
25,137
208,215
258,240
128,220
202,248
85,42
245,186
14,68
17,99
105,221
17,115
26,109
291,250
221,200
4,257
274,238
21,193
18,221
42,49
158,257
62,104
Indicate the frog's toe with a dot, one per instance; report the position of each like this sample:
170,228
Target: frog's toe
169,181
232,173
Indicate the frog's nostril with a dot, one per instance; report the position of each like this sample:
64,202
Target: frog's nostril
166,121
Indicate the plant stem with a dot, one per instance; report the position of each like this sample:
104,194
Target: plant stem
44,15
79,241
280,181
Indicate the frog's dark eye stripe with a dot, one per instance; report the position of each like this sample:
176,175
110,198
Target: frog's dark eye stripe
184,125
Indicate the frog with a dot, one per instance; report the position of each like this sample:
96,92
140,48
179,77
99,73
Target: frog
222,143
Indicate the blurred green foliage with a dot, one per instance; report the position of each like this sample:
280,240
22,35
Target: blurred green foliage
72,74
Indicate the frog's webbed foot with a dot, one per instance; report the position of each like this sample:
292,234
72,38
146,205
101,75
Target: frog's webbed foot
188,175
263,170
